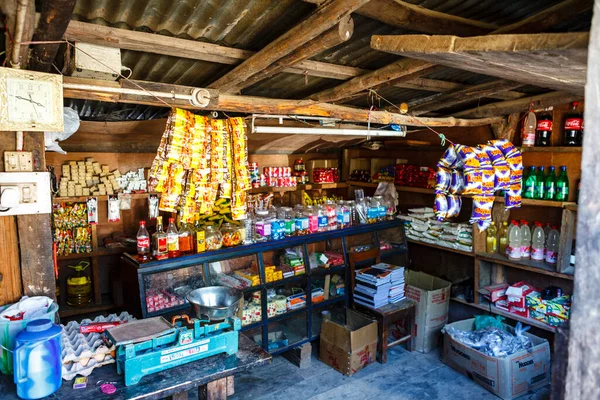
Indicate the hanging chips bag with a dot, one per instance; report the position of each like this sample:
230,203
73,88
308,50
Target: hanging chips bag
440,207
443,176
467,157
457,183
450,158
487,172
454,205
501,169
482,208
512,197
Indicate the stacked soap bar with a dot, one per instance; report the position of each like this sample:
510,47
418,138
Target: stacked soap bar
85,178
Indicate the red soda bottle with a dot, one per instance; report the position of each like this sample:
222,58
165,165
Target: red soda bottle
573,127
143,243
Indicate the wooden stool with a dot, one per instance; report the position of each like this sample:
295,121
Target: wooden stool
403,311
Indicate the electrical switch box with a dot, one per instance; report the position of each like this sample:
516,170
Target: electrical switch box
25,193
18,161
96,62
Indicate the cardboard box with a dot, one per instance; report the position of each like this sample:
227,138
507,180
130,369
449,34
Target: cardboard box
351,347
432,296
508,377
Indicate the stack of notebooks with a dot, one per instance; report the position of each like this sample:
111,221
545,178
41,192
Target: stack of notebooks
379,285
396,293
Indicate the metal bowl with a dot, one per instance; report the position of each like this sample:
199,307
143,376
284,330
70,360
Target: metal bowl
215,303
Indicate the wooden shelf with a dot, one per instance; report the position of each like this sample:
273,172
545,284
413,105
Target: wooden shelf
398,187
551,149
435,246
79,199
308,186
571,207
527,265
539,203
66,310
495,310
98,253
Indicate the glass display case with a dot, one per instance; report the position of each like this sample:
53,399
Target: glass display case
274,277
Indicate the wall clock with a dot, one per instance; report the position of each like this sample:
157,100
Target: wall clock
30,101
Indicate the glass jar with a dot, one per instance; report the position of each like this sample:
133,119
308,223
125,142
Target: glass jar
213,238
231,235
323,218
299,210
331,210
343,215
373,210
313,218
390,209
249,229
381,207
262,231
354,220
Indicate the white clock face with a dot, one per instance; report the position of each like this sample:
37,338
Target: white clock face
29,101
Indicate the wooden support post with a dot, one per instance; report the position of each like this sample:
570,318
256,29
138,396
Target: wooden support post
320,21
507,128
584,347
9,9
54,20
10,271
336,35
215,390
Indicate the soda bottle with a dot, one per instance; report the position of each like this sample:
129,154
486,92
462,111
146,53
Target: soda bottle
514,242
528,132
573,127
143,243
525,240
491,242
550,184
562,185
540,184
538,243
503,238
552,248
172,239
200,236
544,129
530,180
159,241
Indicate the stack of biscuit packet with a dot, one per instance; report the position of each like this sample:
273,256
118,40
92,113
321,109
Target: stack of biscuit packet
478,171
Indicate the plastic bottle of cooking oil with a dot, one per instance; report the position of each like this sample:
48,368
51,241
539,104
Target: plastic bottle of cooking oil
491,242
503,238
79,286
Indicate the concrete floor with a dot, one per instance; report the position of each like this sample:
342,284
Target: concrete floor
406,376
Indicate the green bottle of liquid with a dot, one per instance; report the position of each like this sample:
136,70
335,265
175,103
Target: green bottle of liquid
529,186
562,185
540,184
550,185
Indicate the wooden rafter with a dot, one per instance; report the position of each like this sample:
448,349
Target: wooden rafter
454,98
320,21
513,106
338,34
409,16
555,61
90,89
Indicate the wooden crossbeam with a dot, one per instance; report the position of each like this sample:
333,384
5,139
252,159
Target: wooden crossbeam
320,21
336,35
513,106
555,61
137,93
457,97
405,15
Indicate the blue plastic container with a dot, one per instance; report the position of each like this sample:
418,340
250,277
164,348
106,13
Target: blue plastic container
37,359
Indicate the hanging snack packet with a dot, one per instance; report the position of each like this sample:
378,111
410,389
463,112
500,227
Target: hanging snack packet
501,169
512,197
152,206
484,224
450,158
482,208
114,212
442,180
487,172
472,181
454,205
457,183
440,207
467,156
506,147
124,201
92,210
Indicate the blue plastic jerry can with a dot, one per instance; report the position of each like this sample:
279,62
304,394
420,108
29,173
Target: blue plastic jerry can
37,359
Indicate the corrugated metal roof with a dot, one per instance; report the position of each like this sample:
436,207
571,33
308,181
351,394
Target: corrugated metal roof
251,24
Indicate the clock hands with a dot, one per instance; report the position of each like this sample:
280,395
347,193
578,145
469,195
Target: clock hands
30,100
34,108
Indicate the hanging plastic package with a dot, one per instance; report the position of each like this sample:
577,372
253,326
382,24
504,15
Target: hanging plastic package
443,176
457,183
501,169
440,207
71,125
454,205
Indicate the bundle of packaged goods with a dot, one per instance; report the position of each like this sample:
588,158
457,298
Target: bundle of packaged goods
72,233
538,185
300,171
360,176
414,176
277,177
518,242
372,287
85,178
549,306
157,300
478,171
326,259
386,174
325,175
397,283
422,226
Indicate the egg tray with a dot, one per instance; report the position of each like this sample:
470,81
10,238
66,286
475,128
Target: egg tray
83,352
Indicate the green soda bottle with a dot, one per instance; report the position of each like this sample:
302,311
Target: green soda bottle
540,184
550,185
562,185
529,186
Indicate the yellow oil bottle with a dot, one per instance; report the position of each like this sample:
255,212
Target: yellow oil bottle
79,286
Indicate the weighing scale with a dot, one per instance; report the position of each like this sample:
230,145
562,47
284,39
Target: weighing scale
152,345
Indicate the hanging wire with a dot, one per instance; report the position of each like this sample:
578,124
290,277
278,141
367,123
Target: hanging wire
443,138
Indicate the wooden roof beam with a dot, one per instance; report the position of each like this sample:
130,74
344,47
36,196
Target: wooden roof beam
320,21
457,97
137,92
338,34
513,106
409,16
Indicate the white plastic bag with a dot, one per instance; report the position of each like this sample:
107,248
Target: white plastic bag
51,139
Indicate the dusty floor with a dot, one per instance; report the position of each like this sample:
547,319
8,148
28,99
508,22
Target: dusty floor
406,376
